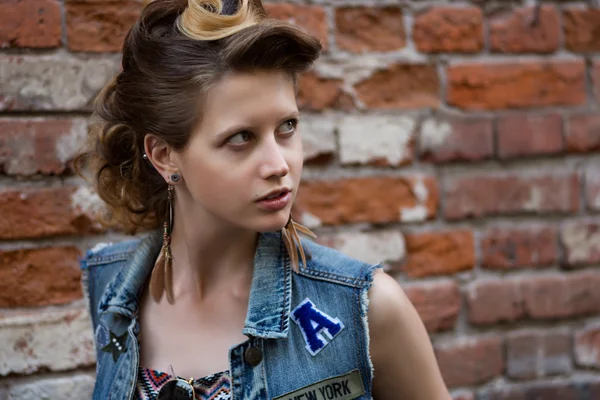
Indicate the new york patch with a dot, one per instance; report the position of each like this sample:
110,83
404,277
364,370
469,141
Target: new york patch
313,323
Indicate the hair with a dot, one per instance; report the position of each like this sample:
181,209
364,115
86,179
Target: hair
175,52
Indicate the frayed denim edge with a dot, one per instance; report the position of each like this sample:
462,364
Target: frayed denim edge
365,309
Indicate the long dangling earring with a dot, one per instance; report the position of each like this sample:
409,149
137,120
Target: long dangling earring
293,243
162,274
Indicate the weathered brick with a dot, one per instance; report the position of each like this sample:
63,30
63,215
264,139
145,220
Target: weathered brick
99,25
370,199
484,86
74,387
583,133
470,361
514,32
507,248
596,79
28,277
592,188
361,29
370,247
491,301
479,196
55,82
449,29
574,389
308,17
30,23
581,241
34,213
391,140
443,139
544,297
401,86
318,93
582,29
318,136
537,354
46,341
526,135
33,146
438,253
587,347
438,304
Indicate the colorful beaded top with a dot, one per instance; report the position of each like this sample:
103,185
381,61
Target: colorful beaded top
212,387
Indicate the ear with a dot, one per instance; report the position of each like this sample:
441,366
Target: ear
160,155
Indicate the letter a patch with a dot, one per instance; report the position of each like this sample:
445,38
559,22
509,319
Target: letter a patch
312,323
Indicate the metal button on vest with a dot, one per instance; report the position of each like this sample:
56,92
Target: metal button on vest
253,356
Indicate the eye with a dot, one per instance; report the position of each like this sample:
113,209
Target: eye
288,127
240,138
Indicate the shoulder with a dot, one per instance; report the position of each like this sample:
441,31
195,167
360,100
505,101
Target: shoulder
109,252
326,263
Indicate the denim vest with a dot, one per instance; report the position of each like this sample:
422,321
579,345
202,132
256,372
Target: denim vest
307,331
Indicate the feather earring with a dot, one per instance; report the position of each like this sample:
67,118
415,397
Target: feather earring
293,243
161,279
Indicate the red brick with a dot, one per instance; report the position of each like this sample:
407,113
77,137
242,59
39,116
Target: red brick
310,18
401,86
484,86
438,304
513,32
514,248
30,23
491,301
579,389
499,194
318,93
369,199
527,135
28,147
438,253
582,29
448,29
39,277
99,25
544,297
592,188
361,29
583,133
538,354
596,79
444,140
470,362
34,213
587,347
581,242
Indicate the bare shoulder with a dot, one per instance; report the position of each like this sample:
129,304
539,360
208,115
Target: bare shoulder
403,359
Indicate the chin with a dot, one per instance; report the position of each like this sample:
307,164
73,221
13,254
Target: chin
272,223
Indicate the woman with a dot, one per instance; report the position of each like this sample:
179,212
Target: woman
197,141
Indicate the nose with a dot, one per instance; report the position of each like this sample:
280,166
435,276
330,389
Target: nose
274,164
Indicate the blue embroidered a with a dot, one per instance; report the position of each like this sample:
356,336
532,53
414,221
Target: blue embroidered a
312,323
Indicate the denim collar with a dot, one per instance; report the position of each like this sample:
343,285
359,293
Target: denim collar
270,293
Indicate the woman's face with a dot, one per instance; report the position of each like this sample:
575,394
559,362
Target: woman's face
246,147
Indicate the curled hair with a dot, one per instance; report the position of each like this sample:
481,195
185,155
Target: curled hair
174,53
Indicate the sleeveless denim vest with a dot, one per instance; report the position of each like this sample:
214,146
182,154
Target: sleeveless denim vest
307,332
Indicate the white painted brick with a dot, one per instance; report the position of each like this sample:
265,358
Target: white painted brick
56,340
365,139
318,135
76,387
62,82
371,247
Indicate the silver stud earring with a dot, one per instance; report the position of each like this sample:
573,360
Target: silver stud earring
145,156
175,177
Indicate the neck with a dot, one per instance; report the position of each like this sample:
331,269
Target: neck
208,254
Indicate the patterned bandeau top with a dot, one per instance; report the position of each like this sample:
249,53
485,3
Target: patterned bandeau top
212,387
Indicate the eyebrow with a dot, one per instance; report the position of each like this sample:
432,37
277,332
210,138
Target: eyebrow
239,128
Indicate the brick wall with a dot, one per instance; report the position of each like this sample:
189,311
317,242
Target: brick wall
457,140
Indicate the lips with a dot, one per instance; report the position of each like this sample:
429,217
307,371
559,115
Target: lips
275,193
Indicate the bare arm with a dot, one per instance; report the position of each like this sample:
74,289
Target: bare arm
403,360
